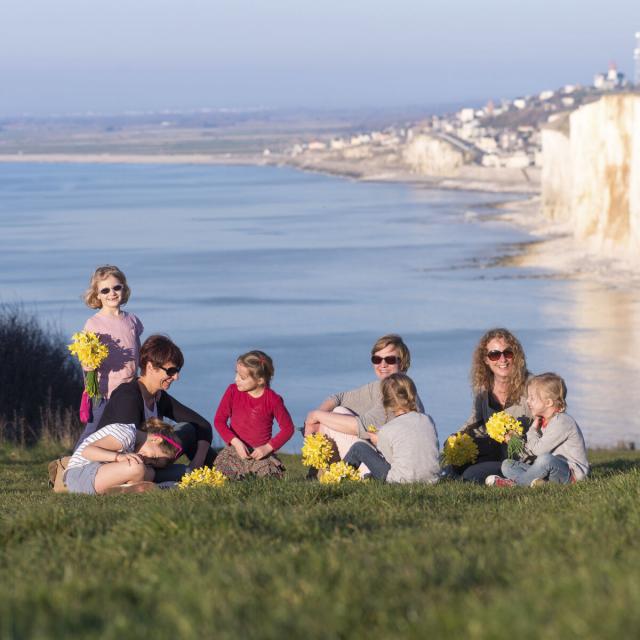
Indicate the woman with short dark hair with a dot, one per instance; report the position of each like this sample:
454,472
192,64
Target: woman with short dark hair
146,396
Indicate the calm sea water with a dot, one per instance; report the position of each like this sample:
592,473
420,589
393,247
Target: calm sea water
312,269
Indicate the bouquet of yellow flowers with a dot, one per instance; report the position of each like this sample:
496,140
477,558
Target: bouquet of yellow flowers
86,346
499,425
205,476
340,472
317,451
459,450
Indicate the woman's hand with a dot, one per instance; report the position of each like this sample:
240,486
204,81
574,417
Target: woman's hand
311,423
373,437
202,448
240,448
261,452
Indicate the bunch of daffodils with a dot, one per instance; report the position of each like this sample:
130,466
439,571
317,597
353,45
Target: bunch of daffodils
459,450
86,346
204,476
340,472
317,451
499,425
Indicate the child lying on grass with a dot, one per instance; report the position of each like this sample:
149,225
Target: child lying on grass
554,438
120,459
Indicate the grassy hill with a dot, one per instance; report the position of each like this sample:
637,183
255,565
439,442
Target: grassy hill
296,559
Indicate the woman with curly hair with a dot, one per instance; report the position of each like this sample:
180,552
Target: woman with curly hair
498,380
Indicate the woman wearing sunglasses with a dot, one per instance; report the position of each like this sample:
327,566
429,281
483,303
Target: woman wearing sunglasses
146,397
351,415
498,379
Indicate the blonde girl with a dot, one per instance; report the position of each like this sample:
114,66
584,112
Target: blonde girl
554,439
244,420
108,291
406,447
120,458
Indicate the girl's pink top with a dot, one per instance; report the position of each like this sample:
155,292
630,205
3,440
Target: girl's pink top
122,335
251,419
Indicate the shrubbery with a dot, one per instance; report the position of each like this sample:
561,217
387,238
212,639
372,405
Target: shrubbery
40,385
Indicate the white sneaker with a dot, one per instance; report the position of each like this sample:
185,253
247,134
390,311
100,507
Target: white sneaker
499,481
538,482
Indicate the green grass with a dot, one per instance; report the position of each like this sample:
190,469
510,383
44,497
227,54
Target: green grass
296,559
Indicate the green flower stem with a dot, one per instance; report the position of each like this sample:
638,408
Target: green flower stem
515,447
91,385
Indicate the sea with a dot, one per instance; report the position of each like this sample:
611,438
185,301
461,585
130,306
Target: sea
312,269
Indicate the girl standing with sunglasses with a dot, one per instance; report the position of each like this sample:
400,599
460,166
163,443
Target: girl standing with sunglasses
499,377
119,330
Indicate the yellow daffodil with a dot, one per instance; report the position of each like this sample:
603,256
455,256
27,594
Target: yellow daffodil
340,472
460,449
500,423
204,476
317,451
86,346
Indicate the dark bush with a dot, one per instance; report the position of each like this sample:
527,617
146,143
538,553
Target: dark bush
40,384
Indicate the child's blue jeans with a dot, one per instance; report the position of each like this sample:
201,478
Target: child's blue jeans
362,452
547,466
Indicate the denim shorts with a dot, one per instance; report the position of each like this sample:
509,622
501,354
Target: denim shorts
82,479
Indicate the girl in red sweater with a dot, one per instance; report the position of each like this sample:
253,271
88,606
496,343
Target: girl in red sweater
244,420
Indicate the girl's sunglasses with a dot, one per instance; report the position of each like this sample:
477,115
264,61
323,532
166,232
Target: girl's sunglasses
495,354
387,359
115,289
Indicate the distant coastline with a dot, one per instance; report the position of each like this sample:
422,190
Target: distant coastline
469,178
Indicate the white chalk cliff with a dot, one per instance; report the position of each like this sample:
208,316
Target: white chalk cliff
428,155
591,174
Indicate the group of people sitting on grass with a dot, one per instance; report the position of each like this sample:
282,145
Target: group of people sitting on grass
381,428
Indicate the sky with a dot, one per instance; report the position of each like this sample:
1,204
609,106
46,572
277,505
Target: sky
72,56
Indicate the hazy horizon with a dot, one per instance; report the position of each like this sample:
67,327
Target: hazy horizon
83,55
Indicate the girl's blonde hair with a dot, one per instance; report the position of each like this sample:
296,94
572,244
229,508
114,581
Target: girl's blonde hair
394,340
170,443
91,298
552,386
482,376
259,364
399,393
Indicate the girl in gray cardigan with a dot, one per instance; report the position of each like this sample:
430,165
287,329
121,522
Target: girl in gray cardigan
407,445
554,439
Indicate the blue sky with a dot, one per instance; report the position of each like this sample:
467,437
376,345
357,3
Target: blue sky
110,55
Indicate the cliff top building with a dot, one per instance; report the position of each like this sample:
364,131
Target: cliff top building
613,79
